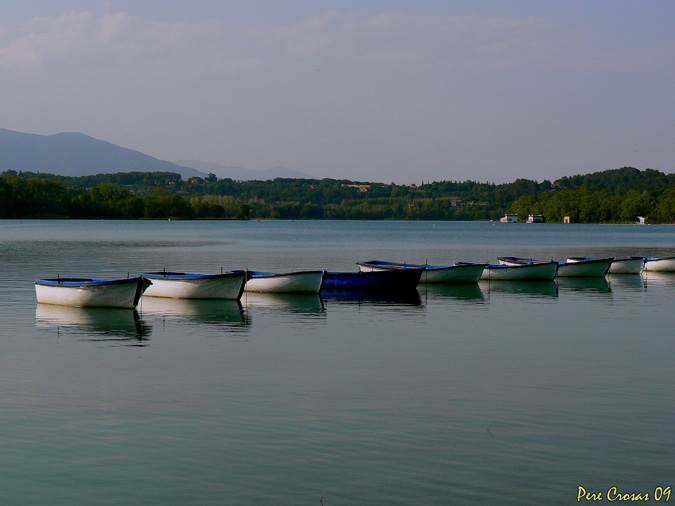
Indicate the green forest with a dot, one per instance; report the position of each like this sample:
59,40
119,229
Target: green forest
612,196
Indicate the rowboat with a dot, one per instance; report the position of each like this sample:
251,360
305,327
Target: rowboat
664,264
584,267
87,292
456,273
527,271
183,285
573,267
393,280
287,282
628,265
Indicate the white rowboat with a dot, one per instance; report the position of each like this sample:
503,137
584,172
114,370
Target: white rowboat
183,285
457,273
584,267
87,292
532,271
665,264
628,265
289,282
574,267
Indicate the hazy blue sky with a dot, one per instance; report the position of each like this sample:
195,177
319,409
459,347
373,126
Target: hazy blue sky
383,91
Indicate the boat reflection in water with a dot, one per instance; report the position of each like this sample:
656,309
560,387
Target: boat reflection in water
295,303
470,293
659,278
225,313
115,325
594,285
629,282
533,289
409,298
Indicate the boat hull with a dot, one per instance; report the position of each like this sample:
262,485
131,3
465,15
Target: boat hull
123,293
591,268
660,264
226,286
631,265
290,282
396,280
459,273
541,271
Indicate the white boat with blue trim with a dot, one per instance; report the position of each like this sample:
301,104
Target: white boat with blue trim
628,265
89,292
286,282
520,271
583,267
455,273
184,285
663,264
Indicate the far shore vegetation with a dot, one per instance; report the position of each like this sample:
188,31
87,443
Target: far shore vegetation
611,196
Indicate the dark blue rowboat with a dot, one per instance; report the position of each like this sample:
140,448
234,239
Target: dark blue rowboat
397,280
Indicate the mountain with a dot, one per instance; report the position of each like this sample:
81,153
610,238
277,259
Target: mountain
242,174
76,154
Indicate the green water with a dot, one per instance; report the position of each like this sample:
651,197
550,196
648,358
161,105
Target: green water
501,393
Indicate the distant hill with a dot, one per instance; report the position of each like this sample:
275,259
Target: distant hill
77,154
242,174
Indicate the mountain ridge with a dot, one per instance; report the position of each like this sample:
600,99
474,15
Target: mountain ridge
78,154
242,173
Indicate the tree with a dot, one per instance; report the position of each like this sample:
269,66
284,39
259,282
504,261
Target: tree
162,204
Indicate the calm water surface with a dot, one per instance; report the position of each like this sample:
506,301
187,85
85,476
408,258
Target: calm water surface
503,393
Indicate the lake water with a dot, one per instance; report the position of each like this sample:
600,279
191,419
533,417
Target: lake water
501,393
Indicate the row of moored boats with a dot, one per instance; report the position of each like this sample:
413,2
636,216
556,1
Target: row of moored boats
391,277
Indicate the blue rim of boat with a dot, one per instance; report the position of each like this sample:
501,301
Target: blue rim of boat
188,275
525,261
588,260
84,281
260,274
403,265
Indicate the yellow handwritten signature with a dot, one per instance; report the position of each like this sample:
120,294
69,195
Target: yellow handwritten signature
614,494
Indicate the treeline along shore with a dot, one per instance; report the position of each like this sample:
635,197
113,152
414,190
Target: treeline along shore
612,196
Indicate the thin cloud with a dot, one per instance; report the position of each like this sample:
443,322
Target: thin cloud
84,40
458,42
81,42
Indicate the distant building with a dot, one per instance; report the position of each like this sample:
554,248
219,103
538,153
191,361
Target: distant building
567,219
535,218
509,218
361,187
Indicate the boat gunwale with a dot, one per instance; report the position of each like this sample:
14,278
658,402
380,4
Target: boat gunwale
427,267
74,282
186,275
523,261
262,275
586,260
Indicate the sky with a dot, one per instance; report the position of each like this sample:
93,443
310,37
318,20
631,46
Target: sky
387,91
